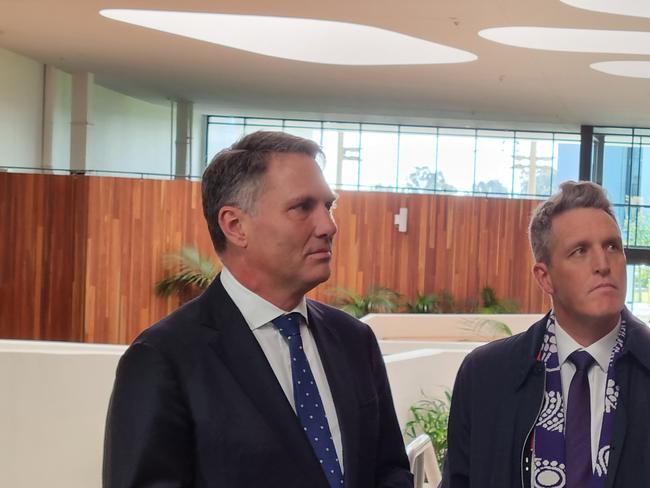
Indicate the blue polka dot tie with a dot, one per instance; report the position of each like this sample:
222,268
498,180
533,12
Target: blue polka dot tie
309,406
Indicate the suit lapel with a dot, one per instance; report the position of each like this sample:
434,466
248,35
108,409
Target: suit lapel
336,365
240,352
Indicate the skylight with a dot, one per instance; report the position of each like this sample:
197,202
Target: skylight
571,40
635,8
631,69
308,40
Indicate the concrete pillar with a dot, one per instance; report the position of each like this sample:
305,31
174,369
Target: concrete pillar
183,139
50,91
82,88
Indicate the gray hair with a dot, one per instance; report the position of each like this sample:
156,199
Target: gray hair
234,176
572,194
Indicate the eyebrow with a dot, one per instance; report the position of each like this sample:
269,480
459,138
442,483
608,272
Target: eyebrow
585,243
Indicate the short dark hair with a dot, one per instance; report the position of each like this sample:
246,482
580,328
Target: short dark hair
572,194
234,175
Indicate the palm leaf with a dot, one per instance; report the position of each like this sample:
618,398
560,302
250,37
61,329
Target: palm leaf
191,270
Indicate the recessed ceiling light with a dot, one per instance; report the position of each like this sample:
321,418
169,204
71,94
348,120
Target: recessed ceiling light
571,40
632,69
635,8
309,40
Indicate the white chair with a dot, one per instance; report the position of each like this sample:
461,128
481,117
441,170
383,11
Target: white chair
422,458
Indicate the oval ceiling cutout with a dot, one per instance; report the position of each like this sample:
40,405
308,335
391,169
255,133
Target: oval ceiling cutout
634,8
571,40
630,69
308,40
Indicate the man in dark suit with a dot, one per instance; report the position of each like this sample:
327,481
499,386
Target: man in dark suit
250,384
565,404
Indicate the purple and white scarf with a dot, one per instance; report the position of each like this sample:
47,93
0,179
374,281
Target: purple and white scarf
548,446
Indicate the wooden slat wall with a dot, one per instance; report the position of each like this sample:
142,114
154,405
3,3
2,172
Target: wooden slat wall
41,256
460,244
79,255
132,224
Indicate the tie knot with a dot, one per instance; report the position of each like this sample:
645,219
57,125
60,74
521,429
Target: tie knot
581,359
288,325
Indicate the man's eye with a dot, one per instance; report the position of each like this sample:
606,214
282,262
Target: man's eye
303,206
578,251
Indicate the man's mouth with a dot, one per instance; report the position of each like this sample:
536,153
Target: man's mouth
604,285
321,253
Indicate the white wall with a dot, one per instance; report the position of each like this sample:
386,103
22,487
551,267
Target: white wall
53,403
21,110
128,134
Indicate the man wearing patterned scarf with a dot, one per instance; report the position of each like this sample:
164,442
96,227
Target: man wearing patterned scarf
566,403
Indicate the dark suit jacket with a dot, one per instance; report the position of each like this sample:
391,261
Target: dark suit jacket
196,404
497,397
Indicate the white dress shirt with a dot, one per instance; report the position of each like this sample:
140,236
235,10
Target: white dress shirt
258,314
597,375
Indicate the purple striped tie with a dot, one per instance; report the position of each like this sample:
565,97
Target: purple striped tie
578,424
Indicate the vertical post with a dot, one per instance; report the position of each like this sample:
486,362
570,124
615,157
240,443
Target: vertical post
184,115
82,84
586,145
50,89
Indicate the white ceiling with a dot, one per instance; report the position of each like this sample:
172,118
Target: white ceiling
505,83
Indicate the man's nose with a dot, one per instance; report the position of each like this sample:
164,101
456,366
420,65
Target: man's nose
325,224
600,262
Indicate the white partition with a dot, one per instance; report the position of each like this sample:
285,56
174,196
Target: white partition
445,327
53,403
54,398
421,372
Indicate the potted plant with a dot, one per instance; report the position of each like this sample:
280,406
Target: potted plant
190,272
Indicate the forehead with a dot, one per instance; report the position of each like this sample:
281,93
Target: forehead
583,224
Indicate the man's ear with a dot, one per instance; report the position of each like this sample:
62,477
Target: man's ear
543,278
231,220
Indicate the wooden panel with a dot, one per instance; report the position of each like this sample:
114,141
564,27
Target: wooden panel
132,224
459,244
79,255
40,266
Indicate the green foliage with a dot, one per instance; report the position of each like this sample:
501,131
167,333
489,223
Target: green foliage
488,328
492,304
447,302
377,300
189,268
431,416
424,304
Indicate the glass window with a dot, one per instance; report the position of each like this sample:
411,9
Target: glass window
456,151
533,164
417,159
221,136
494,163
434,159
566,159
638,291
378,157
617,158
342,153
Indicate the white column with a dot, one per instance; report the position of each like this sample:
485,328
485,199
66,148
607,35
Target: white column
82,87
183,138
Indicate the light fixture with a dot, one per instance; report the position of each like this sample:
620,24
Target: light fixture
401,219
631,69
571,40
634,8
308,40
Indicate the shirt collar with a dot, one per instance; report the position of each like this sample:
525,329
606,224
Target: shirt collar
256,310
600,350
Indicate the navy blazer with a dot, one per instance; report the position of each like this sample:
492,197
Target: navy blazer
196,404
497,398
